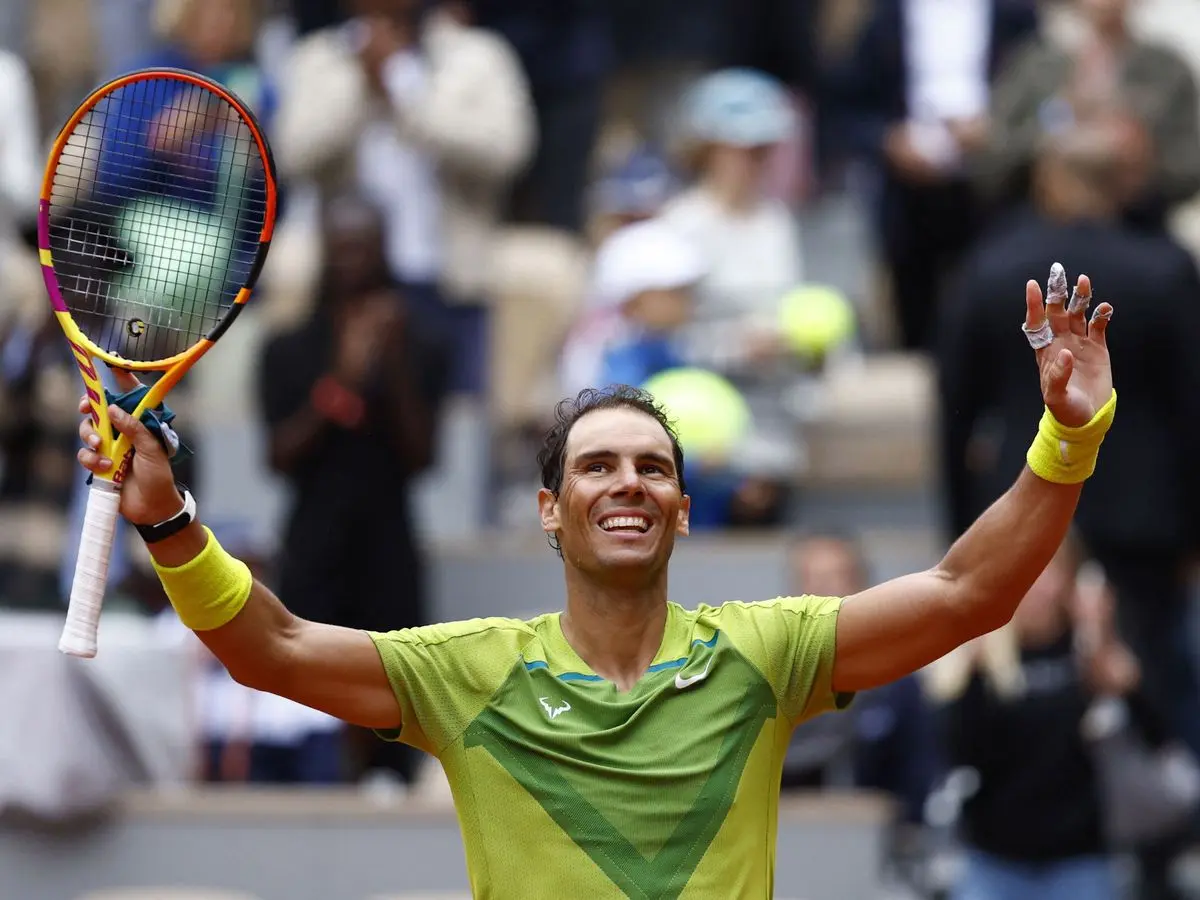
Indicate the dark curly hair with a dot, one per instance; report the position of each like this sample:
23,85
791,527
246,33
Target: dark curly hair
552,457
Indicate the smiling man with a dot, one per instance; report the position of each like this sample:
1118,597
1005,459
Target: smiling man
627,746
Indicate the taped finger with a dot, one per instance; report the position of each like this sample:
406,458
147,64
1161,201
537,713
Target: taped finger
1042,336
1080,301
1056,285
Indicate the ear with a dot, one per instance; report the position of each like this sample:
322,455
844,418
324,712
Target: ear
685,511
548,511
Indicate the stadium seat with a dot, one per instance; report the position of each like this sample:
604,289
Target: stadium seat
166,893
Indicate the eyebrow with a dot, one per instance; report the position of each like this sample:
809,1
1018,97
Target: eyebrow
648,456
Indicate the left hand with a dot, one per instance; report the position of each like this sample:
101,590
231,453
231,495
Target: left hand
1076,374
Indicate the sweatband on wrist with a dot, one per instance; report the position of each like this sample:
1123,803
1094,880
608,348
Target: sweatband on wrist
209,589
1064,455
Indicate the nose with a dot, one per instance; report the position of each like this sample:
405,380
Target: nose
627,480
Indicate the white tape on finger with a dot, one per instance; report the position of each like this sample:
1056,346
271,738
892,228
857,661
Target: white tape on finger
91,571
1079,301
1039,337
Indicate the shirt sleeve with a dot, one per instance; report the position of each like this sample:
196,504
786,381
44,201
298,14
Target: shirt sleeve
444,676
793,642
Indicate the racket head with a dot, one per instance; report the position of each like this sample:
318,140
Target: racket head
155,217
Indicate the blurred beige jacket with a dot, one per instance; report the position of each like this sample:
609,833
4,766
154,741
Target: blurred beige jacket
476,121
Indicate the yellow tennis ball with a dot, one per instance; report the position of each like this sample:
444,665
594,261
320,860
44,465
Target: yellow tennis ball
815,319
709,413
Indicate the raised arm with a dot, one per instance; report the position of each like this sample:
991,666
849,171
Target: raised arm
900,626
260,643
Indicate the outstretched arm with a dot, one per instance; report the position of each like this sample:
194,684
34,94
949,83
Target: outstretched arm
900,626
256,638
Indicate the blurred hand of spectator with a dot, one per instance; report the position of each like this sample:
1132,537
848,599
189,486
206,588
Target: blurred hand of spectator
380,38
971,134
1108,665
367,327
911,161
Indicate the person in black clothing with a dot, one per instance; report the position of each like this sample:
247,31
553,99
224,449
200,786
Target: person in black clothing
911,100
351,400
1140,515
1033,828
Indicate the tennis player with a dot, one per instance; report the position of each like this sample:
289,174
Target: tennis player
628,746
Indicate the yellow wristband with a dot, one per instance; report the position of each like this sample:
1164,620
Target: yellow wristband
209,589
1065,455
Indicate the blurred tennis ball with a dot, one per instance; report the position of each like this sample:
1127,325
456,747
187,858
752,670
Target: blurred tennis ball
709,413
815,319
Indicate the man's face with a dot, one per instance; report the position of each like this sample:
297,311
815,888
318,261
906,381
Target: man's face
354,253
620,506
825,567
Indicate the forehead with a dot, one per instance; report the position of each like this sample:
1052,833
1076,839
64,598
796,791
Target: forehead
620,431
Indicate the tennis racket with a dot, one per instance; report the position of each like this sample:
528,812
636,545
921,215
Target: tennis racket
155,217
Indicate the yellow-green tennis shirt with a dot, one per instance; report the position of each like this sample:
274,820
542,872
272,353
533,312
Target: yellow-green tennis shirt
567,788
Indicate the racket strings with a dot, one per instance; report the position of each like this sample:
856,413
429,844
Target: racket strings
157,205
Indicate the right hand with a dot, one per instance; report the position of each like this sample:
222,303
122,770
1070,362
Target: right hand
907,162
148,493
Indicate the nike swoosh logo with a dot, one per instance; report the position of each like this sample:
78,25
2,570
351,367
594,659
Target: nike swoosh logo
681,682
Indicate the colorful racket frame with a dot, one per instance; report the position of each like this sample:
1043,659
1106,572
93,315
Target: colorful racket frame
79,635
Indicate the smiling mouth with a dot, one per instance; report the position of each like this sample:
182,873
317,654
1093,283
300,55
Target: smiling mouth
625,524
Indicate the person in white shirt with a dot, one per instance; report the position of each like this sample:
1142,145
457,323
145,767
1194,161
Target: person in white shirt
432,117
732,121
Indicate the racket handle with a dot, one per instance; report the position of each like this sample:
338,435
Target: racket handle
91,570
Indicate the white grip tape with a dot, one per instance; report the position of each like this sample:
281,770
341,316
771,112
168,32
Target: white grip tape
91,571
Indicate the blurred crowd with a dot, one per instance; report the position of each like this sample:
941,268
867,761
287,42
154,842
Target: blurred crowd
498,202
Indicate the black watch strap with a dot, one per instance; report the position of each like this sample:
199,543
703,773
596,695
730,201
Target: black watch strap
152,534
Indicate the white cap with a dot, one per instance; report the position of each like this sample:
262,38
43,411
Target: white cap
644,256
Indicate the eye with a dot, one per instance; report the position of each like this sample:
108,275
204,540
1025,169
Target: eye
597,467
652,469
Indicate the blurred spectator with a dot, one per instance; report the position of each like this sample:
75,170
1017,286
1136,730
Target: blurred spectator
38,438
640,298
565,48
125,31
1048,86
20,153
635,189
888,743
430,115
36,371
1016,704
911,100
731,121
215,38
351,400
1139,512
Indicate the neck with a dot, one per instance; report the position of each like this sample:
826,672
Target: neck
1112,33
616,631
733,195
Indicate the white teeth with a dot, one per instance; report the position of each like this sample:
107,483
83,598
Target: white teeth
625,522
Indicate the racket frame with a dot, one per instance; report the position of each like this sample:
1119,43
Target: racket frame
91,571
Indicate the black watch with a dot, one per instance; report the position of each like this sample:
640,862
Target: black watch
152,534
